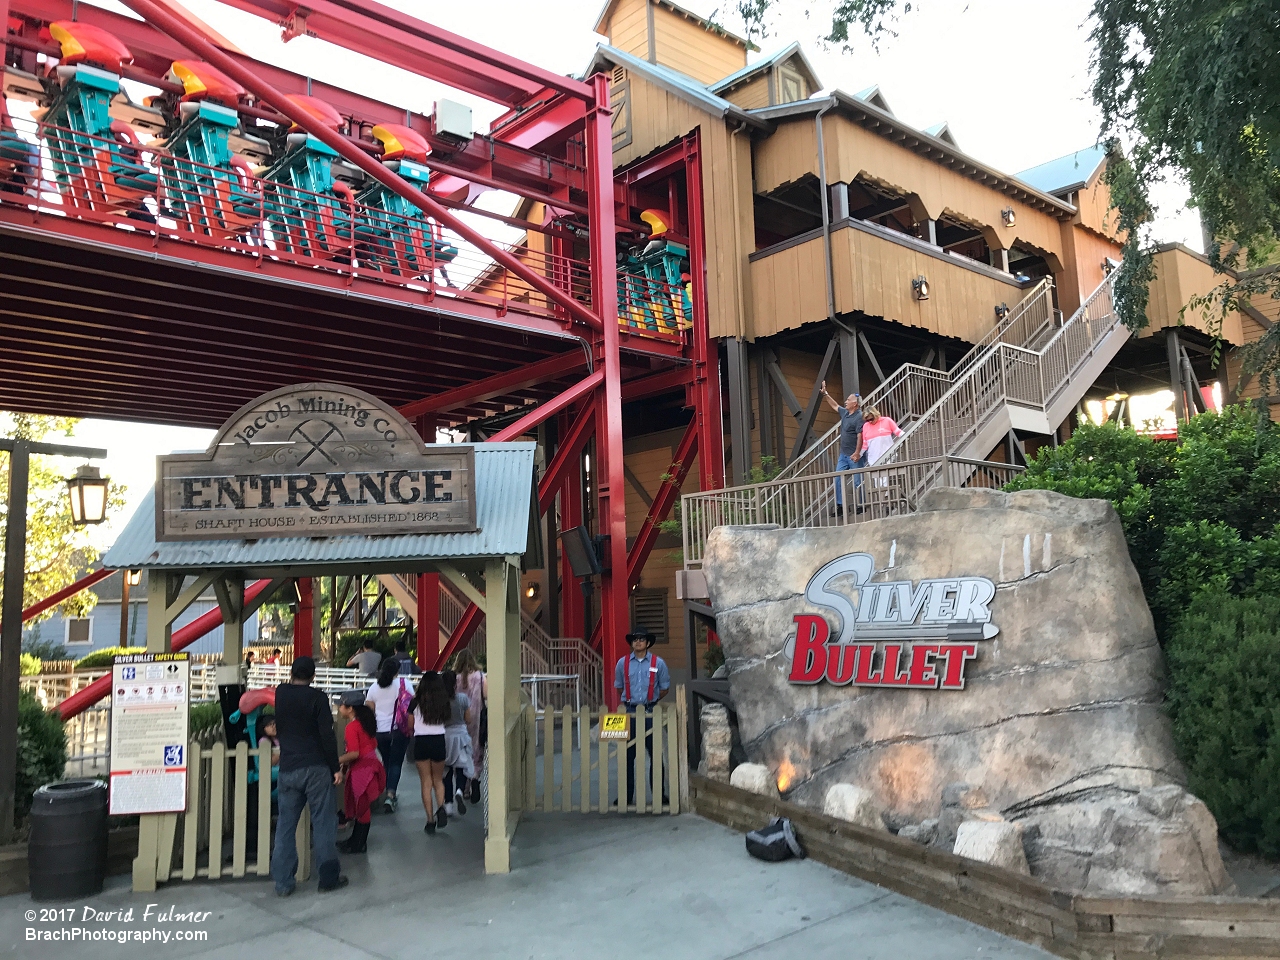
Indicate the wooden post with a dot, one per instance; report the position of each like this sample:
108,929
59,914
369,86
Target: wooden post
305,621
161,591
504,706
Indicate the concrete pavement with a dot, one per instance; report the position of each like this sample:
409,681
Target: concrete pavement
593,886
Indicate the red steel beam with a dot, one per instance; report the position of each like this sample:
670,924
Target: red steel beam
496,385
665,499
570,446
200,45
397,38
182,638
656,383
84,583
550,408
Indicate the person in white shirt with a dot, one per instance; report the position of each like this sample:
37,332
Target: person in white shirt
388,691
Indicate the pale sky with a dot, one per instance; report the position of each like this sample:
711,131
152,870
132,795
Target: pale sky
1010,76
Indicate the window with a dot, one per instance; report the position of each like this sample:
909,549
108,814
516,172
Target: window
649,609
793,86
79,630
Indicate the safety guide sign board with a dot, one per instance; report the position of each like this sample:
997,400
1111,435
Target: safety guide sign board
150,696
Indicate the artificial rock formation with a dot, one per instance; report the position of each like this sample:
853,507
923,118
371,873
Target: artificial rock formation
1057,727
717,742
853,804
754,778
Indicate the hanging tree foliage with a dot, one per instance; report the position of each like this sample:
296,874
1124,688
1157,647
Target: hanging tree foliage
1187,89
57,551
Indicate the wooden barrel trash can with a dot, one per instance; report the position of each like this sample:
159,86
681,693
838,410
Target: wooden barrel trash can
67,849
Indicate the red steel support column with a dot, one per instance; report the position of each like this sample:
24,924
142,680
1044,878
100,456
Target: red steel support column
428,619
573,618
610,480
304,621
706,355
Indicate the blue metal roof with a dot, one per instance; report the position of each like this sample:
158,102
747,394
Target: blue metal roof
673,80
504,499
1065,174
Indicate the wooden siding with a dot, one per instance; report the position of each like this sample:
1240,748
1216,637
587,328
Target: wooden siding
628,28
1181,275
1251,331
1094,205
1083,254
693,49
787,155
658,118
873,275
753,95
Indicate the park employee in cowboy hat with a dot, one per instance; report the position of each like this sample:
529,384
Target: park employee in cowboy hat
641,679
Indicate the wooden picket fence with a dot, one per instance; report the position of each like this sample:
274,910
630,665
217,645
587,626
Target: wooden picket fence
569,770
219,798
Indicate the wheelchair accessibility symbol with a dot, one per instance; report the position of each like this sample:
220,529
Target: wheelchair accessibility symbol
173,755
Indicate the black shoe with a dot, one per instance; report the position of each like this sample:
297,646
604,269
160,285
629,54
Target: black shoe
358,841
475,791
459,803
442,818
430,827
336,885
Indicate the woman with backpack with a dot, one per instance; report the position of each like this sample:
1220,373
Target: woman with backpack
458,767
390,698
430,715
473,682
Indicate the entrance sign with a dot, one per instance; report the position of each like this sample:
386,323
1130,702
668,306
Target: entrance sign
892,633
315,460
615,726
150,697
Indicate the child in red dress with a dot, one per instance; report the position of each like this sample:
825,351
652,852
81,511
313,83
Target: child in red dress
366,778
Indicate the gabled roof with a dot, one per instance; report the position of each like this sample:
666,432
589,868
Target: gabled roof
673,81
873,96
752,70
607,10
866,112
943,132
1066,174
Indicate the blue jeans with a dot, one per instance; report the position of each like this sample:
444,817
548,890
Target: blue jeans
847,462
312,787
393,745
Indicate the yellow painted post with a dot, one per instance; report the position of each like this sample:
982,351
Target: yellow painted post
159,634
602,771
503,648
303,839
530,721
642,715
682,745
624,775
566,761
217,801
548,757
240,814
584,760
164,855
264,808
672,715
191,819
659,717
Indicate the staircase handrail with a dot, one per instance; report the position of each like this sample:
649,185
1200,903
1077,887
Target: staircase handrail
1018,319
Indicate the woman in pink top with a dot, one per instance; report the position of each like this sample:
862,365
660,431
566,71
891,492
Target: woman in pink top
878,434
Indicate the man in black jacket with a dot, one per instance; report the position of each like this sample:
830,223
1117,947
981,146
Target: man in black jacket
309,771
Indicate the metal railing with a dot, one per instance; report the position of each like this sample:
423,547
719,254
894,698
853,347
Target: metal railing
142,188
868,493
912,390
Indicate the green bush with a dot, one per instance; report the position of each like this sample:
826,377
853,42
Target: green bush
384,642
31,666
1224,699
43,649
204,716
42,751
102,658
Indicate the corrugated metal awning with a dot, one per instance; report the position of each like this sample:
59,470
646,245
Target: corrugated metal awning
504,499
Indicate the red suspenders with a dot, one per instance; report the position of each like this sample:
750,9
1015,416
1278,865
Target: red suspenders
653,678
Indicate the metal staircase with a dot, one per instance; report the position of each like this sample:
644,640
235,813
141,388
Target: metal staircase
1027,374
541,655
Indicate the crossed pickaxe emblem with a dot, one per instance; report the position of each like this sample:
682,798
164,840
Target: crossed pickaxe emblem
316,445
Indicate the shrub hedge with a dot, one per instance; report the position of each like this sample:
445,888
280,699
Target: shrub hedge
349,642
1224,699
102,658
42,751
